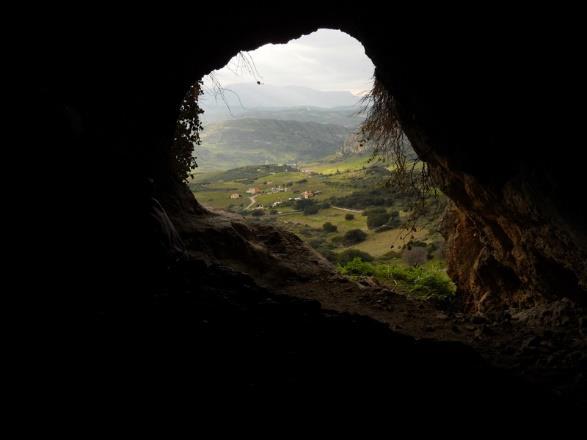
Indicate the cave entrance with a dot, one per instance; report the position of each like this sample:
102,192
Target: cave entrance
282,146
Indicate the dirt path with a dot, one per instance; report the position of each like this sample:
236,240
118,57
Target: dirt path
356,211
253,201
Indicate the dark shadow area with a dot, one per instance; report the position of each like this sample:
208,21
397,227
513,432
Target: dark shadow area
129,303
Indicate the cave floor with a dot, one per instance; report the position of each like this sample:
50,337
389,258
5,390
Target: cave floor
546,345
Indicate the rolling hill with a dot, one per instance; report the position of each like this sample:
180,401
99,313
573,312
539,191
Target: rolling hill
255,141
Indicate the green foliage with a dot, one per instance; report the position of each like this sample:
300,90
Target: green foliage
300,205
421,282
354,236
308,206
311,209
350,254
349,217
329,227
258,213
187,134
365,198
374,211
357,267
377,219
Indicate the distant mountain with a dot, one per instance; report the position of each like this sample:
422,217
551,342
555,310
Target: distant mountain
350,117
251,95
255,141
239,99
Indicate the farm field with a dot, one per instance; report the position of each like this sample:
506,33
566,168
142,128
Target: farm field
282,190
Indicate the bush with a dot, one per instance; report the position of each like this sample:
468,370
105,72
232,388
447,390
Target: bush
349,217
372,211
350,254
357,267
415,256
258,212
354,236
311,209
377,219
303,203
329,227
419,281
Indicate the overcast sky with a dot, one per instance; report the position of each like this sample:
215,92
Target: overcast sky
324,60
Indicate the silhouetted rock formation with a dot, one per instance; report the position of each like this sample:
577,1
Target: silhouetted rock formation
478,101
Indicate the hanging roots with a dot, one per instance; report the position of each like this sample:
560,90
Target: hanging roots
382,134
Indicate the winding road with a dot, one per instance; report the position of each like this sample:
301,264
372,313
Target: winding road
252,199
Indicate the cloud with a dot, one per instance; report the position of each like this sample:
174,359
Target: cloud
324,60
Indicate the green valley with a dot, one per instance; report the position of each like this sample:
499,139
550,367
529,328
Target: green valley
342,207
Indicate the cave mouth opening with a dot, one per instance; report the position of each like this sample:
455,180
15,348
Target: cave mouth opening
281,145
246,245
401,286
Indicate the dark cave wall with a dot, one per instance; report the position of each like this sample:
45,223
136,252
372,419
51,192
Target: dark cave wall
471,97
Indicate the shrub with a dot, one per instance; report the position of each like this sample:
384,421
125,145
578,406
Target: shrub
377,219
350,254
357,267
415,256
354,236
329,227
338,240
349,217
311,209
372,211
258,212
419,281
301,204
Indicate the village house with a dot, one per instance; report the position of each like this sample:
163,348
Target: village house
235,196
253,190
308,194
